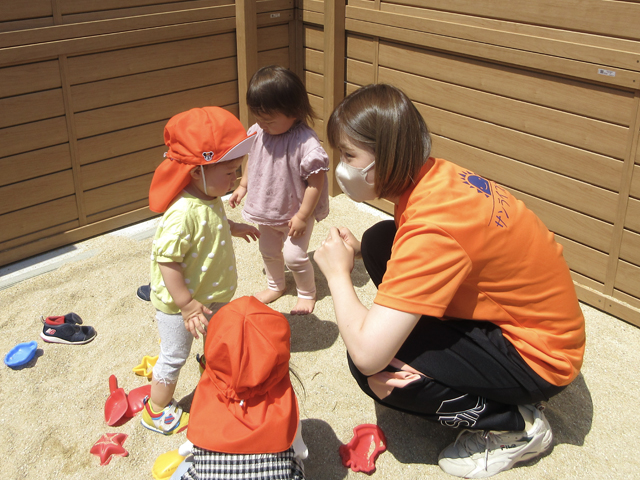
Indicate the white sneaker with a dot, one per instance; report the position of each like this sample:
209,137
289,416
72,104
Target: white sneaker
169,421
477,454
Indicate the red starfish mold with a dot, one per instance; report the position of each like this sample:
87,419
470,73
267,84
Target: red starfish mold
361,452
108,445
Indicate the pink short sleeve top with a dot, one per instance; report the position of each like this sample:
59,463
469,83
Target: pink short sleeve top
278,167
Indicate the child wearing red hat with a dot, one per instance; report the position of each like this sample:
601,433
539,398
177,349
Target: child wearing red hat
245,420
193,268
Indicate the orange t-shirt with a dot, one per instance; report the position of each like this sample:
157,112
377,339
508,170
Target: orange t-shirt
466,248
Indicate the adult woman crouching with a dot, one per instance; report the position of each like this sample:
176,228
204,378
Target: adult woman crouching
476,319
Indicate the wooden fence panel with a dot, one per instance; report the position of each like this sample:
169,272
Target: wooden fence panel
93,96
529,93
33,9
120,142
617,19
601,137
57,216
546,105
29,165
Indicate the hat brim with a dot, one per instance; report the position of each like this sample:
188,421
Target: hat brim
266,424
240,150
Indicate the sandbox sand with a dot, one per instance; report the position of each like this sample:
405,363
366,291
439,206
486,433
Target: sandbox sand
52,411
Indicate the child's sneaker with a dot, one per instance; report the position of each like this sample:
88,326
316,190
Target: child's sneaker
478,454
169,421
66,329
144,293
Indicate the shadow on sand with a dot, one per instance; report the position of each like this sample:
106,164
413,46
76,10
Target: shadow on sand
413,439
324,461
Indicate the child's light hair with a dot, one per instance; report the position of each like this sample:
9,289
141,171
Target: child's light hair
274,90
382,118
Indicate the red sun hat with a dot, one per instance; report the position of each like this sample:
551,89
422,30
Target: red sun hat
199,136
244,402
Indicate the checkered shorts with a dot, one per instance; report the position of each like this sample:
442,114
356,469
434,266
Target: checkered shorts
209,465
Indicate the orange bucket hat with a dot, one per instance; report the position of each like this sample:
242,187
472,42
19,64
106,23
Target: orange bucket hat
199,136
244,402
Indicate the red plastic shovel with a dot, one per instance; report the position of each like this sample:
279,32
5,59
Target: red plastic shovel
136,399
116,405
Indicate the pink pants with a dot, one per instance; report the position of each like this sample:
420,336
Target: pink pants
278,249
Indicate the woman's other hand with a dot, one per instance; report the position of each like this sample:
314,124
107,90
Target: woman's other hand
335,255
351,240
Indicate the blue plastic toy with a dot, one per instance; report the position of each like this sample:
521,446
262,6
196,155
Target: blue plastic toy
21,354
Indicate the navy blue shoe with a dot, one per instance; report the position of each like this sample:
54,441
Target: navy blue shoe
66,329
144,293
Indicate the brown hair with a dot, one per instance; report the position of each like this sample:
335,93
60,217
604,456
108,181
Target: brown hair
275,89
382,118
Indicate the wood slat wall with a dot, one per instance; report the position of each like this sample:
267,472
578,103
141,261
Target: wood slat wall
541,96
86,88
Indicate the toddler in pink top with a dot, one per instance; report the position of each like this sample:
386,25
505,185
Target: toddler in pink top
285,182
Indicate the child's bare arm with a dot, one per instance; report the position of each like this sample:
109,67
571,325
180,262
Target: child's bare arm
239,193
193,312
242,230
298,224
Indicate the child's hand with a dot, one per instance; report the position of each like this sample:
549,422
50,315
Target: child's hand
193,314
297,226
242,230
237,195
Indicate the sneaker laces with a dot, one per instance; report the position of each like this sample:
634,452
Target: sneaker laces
477,441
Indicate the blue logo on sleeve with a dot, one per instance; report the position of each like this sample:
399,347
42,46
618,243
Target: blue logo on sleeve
499,214
480,183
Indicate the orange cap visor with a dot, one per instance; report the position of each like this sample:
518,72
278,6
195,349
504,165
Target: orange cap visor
199,136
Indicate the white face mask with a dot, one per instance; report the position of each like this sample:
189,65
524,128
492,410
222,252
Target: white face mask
353,182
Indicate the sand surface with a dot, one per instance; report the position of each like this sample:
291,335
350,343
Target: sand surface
52,411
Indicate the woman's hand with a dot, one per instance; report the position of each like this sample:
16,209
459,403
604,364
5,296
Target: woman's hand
193,314
372,337
242,230
335,256
351,240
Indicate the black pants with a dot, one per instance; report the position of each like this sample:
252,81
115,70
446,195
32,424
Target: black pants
476,377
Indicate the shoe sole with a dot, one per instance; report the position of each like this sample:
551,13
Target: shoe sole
177,429
49,339
545,443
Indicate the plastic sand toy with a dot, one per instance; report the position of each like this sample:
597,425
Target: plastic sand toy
166,464
145,369
361,452
109,444
116,406
136,398
21,354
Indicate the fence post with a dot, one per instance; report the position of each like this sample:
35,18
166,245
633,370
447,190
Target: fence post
247,47
334,73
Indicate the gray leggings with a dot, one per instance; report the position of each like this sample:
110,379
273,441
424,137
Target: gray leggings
175,345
